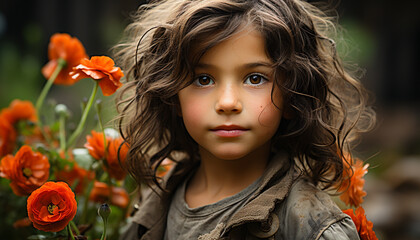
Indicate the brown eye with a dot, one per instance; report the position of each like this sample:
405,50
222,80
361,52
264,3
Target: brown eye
255,79
203,81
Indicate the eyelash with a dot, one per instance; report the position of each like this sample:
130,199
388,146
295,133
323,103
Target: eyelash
262,77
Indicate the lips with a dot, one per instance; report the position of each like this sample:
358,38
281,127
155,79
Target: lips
229,131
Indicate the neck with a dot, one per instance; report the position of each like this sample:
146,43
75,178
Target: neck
217,178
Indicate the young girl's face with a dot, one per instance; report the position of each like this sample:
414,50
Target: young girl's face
228,109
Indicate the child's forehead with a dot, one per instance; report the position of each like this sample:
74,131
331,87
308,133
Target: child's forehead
205,43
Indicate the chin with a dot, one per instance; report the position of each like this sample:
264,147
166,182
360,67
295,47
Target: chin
229,155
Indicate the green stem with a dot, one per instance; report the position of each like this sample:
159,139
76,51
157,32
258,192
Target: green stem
62,132
82,122
73,225
101,126
70,232
103,237
43,95
46,89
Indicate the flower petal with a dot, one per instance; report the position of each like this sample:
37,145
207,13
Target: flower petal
68,48
100,68
55,193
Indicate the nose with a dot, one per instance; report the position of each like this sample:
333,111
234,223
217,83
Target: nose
228,100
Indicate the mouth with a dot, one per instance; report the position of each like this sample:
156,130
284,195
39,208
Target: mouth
229,131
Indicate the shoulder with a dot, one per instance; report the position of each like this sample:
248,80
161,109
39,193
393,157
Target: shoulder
308,212
149,219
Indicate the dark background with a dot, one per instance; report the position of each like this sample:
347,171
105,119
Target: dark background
383,37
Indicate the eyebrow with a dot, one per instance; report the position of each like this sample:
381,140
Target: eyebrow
247,65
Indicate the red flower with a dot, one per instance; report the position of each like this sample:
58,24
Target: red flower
52,206
363,226
7,137
96,148
102,193
19,110
353,184
113,164
63,46
100,68
7,166
27,170
95,144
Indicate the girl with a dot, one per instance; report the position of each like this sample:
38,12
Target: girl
250,100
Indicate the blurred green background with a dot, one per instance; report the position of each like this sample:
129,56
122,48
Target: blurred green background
382,36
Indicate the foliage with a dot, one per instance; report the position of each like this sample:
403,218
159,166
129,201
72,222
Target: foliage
41,170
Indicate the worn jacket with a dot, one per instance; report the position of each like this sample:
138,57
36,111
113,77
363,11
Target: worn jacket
285,206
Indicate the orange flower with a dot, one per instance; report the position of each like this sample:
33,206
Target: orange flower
113,164
353,184
7,137
363,226
101,193
19,110
96,148
52,206
72,174
100,68
6,166
95,144
27,170
70,49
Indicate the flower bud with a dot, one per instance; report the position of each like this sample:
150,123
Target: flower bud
62,110
104,210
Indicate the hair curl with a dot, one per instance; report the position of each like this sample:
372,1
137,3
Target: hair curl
328,105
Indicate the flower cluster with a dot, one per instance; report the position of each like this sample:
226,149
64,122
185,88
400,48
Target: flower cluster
65,184
352,194
353,183
363,226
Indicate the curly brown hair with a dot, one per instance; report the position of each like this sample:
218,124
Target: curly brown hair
328,105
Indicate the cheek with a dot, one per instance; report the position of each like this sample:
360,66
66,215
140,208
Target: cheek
269,115
192,111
